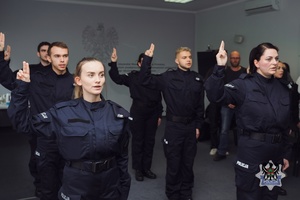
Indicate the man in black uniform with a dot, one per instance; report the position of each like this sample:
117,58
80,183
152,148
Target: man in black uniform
8,78
146,111
184,96
47,87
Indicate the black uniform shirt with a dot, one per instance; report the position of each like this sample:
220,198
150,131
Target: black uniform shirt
182,90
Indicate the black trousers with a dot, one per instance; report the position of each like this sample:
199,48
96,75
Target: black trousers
252,154
180,148
143,128
214,116
50,168
32,160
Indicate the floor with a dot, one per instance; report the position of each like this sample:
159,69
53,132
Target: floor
213,180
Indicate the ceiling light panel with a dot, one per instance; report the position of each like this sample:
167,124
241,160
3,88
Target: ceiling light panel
178,1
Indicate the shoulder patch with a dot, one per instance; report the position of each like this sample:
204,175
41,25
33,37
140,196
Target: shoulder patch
229,85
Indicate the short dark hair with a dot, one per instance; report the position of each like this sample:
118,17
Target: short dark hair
257,52
57,44
44,43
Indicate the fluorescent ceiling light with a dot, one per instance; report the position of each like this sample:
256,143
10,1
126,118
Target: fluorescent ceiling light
178,1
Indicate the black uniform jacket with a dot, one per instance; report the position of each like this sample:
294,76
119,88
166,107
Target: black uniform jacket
262,104
147,98
183,91
83,131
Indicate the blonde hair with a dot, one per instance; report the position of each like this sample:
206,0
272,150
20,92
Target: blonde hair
78,93
181,49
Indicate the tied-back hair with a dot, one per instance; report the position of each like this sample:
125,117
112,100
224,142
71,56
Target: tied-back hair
57,44
257,52
78,93
181,49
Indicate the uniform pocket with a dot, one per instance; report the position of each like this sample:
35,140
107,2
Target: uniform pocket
74,141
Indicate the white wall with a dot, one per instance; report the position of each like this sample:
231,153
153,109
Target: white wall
282,28
27,22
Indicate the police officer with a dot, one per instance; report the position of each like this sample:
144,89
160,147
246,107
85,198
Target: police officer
91,134
48,86
183,92
262,118
146,111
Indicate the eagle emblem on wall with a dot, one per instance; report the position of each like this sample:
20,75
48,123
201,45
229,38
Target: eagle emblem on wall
100,41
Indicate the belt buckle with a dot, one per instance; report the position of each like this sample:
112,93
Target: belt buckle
276,138
99,166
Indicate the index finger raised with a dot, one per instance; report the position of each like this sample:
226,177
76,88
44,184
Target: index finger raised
222,46
26,69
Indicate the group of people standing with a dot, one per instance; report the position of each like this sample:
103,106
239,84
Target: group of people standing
82,139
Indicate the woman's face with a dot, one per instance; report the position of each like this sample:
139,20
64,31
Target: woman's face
92,80
267,65
280,70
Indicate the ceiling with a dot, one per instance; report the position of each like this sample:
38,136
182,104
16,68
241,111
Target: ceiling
192,7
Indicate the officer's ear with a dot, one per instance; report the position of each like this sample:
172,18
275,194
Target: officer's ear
77,80
176,61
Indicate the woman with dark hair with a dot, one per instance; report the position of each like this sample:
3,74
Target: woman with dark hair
92,134
262,119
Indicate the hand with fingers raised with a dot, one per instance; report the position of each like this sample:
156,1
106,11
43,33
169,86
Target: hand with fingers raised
24,74
150,51
114,56
221,55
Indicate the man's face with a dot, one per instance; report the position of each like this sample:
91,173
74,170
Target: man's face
43,53
59,58
235,59
184,60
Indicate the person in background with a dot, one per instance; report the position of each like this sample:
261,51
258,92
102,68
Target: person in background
42,53
183,93
283,74
91,134
146,110
262,104
232,72
213,112
47,87
7,77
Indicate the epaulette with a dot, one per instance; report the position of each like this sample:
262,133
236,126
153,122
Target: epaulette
119,111
72,103
286,83
171,69
245,75
134,71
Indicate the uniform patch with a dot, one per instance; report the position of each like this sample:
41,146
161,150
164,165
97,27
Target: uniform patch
244,165
44,115
229,85
270,175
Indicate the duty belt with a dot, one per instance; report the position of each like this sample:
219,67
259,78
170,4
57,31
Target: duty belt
93,166
263,137
184,120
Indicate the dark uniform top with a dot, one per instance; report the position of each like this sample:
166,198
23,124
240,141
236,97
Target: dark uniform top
182,90
85,132
148,99
262,118
7,77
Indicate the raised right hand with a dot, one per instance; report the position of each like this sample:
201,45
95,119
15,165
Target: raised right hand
2,41
222,55
24,74
150,51
114,56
